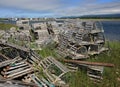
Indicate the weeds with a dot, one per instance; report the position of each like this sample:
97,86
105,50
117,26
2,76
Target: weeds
111,76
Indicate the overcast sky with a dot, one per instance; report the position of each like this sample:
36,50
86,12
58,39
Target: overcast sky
57,8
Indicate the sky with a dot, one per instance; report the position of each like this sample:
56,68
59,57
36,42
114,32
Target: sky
57,8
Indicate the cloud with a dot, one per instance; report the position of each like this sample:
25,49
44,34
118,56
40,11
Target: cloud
58,7
33,5
92,7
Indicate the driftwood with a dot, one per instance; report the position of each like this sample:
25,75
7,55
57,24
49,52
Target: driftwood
88,63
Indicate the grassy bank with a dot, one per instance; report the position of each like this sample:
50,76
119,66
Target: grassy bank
111,76
4,26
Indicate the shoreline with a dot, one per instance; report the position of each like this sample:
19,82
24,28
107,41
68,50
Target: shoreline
101,19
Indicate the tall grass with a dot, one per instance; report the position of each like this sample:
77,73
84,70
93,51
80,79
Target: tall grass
111,76
48,50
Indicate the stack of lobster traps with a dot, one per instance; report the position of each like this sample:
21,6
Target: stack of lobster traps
20,66
80,41
23,68
83,41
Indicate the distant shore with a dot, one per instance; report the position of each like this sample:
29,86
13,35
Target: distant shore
100,19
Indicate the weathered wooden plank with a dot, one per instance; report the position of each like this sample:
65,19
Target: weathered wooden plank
18,66
58,64
4,56
16,70
89,63
38,81
7,62
15,46
21,73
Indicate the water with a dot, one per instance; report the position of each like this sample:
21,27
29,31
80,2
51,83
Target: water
8,21
111,28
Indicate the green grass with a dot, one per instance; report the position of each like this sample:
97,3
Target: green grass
33,45
48,50
4,26
111,76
